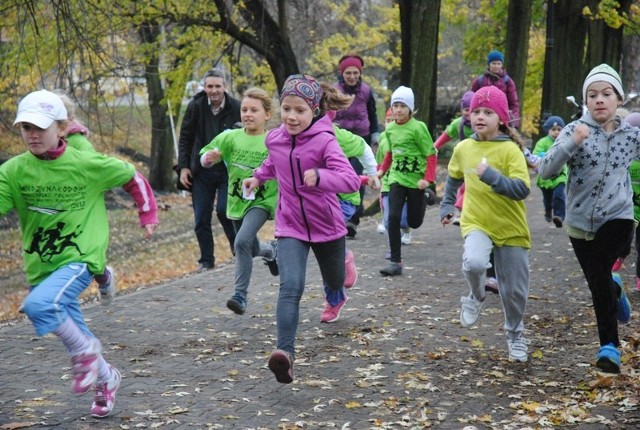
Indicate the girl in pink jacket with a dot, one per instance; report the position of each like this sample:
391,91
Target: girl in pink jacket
306,160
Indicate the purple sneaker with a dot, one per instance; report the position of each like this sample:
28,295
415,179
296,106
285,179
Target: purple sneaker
84,367
104,395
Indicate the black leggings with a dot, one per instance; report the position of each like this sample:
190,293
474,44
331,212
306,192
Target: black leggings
416,206
596,258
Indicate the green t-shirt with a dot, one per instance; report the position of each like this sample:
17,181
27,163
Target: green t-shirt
383,148
61,207
243,153
79,141
352,146
410,144
453,129
634,173
503,219
540,148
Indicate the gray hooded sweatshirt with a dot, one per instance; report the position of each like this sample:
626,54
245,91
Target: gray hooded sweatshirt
598,186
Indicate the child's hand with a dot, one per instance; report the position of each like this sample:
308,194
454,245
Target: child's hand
446,220
482,167
374,182
380,174
250,184
311,177
149,229
422,184
212,157
580,133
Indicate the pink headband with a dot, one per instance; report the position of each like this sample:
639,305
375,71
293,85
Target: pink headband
350,62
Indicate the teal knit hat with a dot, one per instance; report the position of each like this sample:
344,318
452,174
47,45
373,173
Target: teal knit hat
605,73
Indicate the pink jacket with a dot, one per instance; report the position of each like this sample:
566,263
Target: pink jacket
310,214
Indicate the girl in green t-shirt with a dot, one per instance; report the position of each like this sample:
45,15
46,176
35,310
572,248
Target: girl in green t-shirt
243,150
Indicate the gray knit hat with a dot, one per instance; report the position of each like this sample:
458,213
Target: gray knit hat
605,73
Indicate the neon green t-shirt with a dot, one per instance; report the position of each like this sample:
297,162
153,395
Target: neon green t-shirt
410,144
243,153
61,207
503,219
540,148
352,146
79,141
383,148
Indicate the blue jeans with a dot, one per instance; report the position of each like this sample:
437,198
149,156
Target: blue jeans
247,246
206,185
292,264
55,299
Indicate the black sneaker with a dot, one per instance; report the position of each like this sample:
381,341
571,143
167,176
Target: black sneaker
392,269
547,216
430,195
273,262
557,221
237,304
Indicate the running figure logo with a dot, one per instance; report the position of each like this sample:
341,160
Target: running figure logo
48,243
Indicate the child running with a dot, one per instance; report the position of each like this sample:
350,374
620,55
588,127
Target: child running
553,188
58,193
495,172
411,163
243,150
311,170
77,137
598,150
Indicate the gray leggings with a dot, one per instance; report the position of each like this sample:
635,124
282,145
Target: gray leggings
248,246
512,272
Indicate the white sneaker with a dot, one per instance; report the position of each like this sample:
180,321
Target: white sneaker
470,310
518,349
108,290
406,238
381,228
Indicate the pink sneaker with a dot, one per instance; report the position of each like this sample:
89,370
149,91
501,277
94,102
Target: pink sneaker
84,367
332,313
281,364
638,284
617,265
104,395
351,270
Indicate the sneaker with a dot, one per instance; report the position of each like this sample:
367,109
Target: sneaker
273,262
638,284
623,305
104,395
518,349
332,313
351,230
617,265
281,364
470,310
406,238
557,221
456,221
392,269
608,359
237,304
84,367
381,228
430,196
108,290
491,285
547,216
203,267
351,270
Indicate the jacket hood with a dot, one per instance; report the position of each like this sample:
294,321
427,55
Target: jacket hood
498,138
75,128
588,119
321,125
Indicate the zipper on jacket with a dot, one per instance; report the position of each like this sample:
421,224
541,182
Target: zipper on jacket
296,170
604,173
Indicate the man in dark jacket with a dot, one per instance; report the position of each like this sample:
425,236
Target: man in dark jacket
209,113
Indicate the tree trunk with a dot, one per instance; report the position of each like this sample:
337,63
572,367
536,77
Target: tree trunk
517,44
564,69
419,23
605,43
161,176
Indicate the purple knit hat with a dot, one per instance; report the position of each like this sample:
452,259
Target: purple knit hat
305,87
492,98
465,101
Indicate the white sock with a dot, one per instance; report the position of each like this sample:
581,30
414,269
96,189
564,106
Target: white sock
72,337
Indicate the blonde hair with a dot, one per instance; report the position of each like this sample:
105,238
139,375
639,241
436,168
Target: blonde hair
260,95
68,103
333,99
